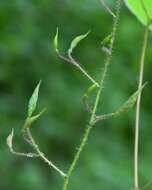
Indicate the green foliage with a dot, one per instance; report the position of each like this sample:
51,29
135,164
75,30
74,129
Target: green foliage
76,41
33,100
91,89
26,57
31,108
142,9
129,103
107,41
30,120
124,108
56,41
9,140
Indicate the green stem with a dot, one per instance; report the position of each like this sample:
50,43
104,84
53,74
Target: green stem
74,62
138,107
82,70
92,119
41,154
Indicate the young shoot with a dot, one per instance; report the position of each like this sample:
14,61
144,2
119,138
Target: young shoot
69,57
27,133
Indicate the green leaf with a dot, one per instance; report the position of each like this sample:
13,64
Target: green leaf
33,100
9,140
107,40
129,103
142,9
55,41
106,43
30,120
76,41
124,108
90,89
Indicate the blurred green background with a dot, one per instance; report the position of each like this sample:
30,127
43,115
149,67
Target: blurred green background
27,29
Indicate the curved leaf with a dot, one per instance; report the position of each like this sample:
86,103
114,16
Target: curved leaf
76,41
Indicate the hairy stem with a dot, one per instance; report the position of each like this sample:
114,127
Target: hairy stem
138,107
93,115
41,154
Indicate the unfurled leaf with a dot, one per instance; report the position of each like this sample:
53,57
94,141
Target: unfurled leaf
33,100
9,140
142,9
76,41
55,41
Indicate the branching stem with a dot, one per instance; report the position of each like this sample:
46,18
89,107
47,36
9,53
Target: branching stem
93,115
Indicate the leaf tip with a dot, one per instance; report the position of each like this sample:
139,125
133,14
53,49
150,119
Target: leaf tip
55,41
33,100
9,139
76,41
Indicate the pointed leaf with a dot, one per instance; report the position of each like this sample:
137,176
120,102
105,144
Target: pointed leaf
9,140
90,89
129,103
124,108
107,41
76,41
33,100
55,41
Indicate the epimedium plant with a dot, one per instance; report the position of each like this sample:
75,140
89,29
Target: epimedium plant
143,11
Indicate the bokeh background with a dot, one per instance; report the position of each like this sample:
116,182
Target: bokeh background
27,29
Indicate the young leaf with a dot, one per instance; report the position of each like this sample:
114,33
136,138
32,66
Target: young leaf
124,108
106,43
107,40
76,41
9,140
30,120
90,89
55,41
129,103
142,9
33,100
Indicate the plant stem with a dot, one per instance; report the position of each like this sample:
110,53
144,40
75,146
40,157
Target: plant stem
91,122
71,60
41,154
138,106
82,70
107,8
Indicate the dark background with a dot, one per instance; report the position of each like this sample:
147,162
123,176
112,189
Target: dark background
27,29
